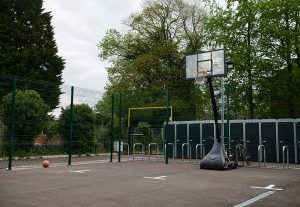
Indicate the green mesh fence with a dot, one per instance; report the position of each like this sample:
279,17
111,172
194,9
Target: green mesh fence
271,121
43,121
45,126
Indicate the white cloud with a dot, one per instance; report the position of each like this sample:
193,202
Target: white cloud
79,26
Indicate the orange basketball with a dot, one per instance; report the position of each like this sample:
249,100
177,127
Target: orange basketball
46,163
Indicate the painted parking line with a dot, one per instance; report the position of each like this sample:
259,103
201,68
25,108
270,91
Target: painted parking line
253,200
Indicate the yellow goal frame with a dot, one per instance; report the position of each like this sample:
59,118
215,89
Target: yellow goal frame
150,107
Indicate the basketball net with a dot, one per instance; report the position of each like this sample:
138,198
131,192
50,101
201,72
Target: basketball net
200,76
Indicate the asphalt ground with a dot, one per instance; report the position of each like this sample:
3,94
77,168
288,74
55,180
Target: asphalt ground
142,183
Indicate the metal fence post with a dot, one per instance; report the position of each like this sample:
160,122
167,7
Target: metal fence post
12,129
112,126
71,127
166,126
227,88
130,139
120,128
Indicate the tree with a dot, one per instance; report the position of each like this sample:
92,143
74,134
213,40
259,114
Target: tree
31,116
236,29
83,140
28,48
280,25
149,58
262,39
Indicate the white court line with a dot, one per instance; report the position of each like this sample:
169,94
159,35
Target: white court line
28,167
252,200
89,162
79,171
269,187
157,178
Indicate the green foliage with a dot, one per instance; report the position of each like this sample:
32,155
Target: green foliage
84,140
28,48
150,57
51,130
30,117
281,44
262,39
236,29
102,138
143,128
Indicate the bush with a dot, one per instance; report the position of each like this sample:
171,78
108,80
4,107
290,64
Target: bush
84,140
103,138
30,118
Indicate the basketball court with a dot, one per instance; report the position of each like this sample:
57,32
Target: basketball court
140,183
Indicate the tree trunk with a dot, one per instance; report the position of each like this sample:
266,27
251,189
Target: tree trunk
250,95
249,71
290,93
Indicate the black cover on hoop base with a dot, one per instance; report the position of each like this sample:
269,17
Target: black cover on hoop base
215,159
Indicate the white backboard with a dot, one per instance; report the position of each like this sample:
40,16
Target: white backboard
212,61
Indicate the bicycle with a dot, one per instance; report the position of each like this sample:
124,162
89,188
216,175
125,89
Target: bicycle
240,155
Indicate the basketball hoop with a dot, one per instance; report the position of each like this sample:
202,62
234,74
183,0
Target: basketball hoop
203,67
200,76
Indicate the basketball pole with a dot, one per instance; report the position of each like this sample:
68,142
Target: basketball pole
214,105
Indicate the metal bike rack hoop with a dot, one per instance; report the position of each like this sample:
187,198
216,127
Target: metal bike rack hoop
259,148
202,149
285,148
133,150
149,149
182,150
173,148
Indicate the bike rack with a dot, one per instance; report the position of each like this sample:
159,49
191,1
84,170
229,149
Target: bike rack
173,148
285,148
126,144
258,151
135,144
202,151
182,150
149,150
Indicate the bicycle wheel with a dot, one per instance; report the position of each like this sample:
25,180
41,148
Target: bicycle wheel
239,159
247,157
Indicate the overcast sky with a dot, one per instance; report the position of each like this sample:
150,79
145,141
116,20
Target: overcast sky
79,25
